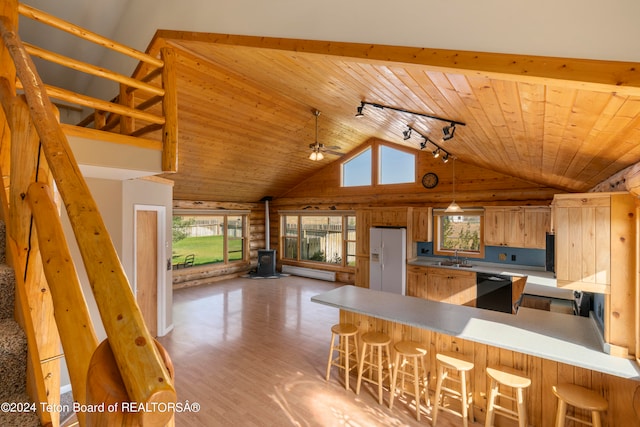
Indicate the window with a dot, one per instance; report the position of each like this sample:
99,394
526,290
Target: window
200,239
357,170
329,239
396,166
460,233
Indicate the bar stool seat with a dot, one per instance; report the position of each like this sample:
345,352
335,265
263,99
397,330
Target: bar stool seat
347,357
409,353
376,346
579,397
450,363
517,381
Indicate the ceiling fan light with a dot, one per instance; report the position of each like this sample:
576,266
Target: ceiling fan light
319,156
313,156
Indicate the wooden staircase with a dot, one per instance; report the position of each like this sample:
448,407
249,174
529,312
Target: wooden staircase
13,354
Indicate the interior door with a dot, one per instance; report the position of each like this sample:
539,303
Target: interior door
147,267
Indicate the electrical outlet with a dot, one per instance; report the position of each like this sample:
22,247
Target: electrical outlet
513,257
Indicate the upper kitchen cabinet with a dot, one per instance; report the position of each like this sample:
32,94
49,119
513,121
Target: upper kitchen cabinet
593,231
389,217
422,224
516,226
537,222
596,251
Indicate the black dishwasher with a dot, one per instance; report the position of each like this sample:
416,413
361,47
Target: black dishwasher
494,292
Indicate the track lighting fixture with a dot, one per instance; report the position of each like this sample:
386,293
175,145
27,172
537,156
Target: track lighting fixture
407,133
425,141
447,131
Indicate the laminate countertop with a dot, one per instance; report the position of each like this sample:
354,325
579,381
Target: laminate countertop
535,275
555,336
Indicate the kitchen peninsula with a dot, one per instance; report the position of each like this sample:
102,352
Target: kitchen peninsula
549,347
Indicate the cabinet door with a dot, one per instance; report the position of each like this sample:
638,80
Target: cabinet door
422,225
438,283
493,226
463,288
537,222
389,217
362,271
583,242
363,223
513,227
417,282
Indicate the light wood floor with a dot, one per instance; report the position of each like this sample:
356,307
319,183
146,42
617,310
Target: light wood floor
253,352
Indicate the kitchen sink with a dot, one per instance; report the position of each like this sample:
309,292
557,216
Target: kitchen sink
453,264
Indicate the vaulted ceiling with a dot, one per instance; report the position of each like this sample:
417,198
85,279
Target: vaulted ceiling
246,111
246,104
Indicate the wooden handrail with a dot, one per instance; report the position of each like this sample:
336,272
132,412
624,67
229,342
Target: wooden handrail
76,330
61,24
143,372
88,101
92,69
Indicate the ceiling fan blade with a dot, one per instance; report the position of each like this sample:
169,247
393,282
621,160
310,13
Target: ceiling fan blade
332,147
335,153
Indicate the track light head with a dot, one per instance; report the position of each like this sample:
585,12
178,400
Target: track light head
406,134
436,153
423,144
448,131
445,158
360,110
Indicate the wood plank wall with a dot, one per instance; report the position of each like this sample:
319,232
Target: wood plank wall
540,400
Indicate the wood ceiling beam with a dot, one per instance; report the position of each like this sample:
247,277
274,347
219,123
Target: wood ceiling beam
588,74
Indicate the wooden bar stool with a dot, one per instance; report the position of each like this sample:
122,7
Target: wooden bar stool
376,346
450,363
347,358
504,376
582,398
409,361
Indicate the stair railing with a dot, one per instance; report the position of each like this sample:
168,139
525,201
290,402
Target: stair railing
129,365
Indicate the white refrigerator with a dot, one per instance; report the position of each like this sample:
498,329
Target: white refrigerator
388,259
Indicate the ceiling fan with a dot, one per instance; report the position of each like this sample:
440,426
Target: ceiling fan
317,149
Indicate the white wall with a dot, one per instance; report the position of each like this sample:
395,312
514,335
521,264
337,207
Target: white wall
594,29
116,201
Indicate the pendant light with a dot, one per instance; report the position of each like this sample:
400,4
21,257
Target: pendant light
453,207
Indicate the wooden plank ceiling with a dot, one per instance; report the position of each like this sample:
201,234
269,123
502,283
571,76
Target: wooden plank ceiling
246,111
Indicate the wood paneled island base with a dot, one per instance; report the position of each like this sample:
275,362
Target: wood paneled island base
623,394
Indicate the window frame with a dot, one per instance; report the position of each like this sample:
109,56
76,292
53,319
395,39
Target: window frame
437,225
344,215
376,163
225,214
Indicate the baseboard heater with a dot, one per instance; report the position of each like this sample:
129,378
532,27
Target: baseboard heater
312,273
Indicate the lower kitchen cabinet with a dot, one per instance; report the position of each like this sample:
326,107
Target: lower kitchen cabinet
442,284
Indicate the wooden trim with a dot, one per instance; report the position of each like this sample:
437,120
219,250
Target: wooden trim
92,69
98,104
597,75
